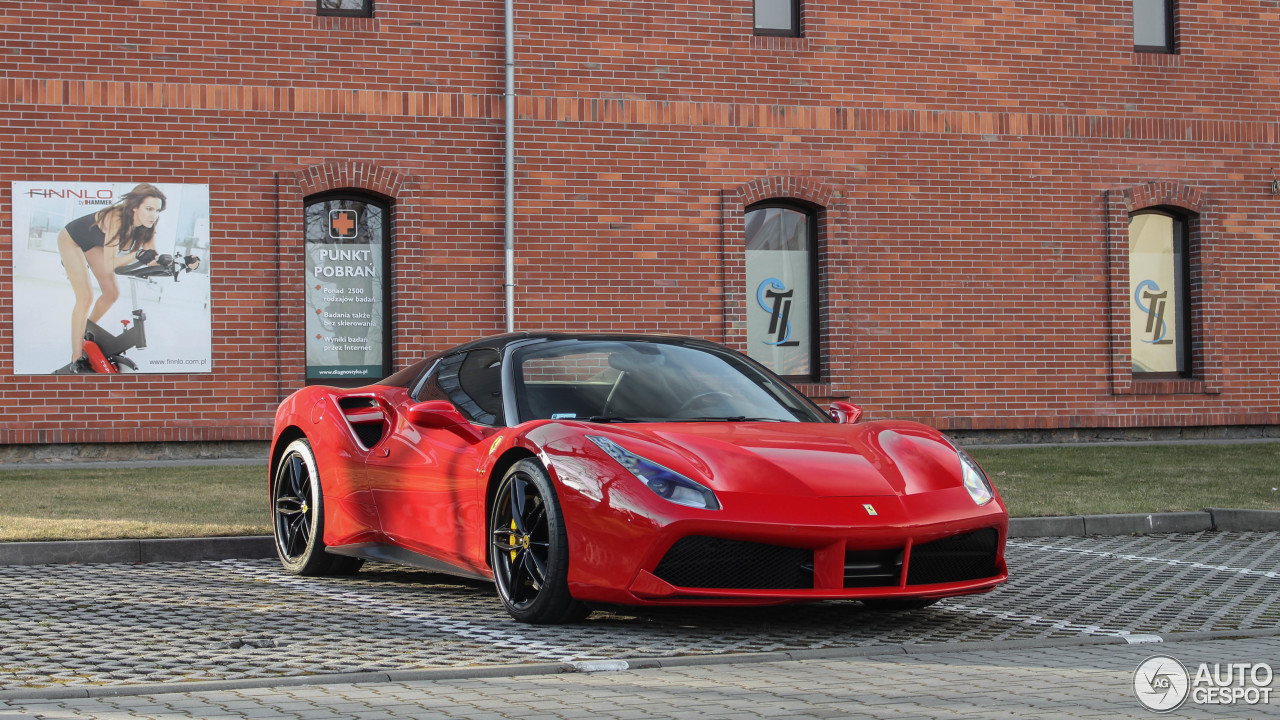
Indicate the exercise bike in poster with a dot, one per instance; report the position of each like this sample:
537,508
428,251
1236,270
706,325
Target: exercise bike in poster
105,352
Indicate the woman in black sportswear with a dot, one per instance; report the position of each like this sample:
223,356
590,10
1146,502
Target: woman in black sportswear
101,242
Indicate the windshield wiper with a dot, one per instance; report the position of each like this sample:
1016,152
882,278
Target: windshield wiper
735,418
609,419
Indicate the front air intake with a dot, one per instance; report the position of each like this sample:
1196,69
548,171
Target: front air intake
872,568
970,556
707,562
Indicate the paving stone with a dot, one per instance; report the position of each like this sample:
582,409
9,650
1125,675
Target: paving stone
93,625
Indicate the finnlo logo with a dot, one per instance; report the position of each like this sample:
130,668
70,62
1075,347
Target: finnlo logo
72,193
1162,683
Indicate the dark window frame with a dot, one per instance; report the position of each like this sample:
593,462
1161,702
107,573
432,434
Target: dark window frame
458,388
797,17
365,11
1186,304
811,213
388,238
1170,17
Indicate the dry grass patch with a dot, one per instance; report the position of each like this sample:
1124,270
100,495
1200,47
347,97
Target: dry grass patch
1134,479
79,504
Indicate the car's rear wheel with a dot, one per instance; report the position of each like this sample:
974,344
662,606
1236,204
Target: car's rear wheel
529,548
297,509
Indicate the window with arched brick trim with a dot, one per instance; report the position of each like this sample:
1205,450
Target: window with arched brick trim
347,241
1163,303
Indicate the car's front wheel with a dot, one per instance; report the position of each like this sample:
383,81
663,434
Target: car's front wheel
529,548
297,510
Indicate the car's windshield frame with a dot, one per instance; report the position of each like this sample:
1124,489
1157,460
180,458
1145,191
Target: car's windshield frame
791,405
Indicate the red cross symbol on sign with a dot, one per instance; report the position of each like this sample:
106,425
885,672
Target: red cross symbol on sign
342,224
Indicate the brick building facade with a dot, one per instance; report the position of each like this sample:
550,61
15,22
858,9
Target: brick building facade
971,168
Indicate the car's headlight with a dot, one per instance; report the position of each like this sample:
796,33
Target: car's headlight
975,481
666,483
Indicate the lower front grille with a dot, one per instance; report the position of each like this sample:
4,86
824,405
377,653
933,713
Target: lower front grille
707,562
971,556
872,568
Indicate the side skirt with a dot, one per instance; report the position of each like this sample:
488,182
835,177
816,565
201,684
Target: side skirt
382,552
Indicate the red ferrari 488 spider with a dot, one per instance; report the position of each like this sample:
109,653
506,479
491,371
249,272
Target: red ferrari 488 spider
627,469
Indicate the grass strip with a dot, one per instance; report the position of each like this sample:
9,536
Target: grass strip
81,504
201,501
1102,480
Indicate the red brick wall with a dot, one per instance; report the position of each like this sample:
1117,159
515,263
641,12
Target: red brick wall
975,162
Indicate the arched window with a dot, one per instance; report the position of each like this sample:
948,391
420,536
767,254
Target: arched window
782,287
1160,302
348,252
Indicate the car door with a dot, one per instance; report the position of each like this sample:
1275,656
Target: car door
426,482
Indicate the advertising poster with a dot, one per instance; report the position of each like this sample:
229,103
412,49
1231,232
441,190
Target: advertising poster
111,277
1153,310
778,310
779,319
345,268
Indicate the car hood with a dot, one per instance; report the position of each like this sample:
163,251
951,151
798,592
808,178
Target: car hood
816,459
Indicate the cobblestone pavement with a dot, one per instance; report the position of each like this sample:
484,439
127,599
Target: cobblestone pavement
92,625
1077,682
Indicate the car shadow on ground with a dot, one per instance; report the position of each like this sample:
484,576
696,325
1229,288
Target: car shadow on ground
825,619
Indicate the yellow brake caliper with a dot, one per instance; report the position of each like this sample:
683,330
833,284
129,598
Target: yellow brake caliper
511,540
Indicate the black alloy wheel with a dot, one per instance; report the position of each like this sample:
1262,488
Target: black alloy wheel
529,548
297,509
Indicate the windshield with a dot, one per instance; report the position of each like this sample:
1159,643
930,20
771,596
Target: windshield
642,381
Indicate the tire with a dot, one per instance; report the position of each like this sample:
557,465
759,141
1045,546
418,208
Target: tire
529,548
297,516
899,604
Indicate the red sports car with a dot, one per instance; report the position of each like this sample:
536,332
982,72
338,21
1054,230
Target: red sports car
627,469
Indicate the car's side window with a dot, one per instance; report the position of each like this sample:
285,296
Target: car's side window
472,382
429,388
480,379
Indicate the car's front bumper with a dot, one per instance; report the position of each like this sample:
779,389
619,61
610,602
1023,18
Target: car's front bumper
763,550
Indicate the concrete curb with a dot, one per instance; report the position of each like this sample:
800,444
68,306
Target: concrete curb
618,665
132,464
1224,519
1244,520
252,547
137,551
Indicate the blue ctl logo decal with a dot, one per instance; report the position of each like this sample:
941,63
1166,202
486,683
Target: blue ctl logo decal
775,299
1159,299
